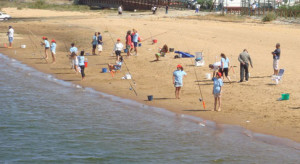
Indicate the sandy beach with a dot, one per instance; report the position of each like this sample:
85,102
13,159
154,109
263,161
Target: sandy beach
252,105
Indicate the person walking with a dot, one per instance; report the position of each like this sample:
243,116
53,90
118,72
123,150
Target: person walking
47,46
135,40
244,59
225,64
128,43
94,43
217,90
100,43
120,10
81,64
10,35
276,57
178,79
118,48
53,50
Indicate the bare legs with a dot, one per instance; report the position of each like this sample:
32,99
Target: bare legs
217,100
46,54
177,91
53,58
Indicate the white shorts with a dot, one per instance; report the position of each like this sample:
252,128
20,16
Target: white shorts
53,52
99,47
275,64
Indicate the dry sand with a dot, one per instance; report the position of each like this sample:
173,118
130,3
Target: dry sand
254,101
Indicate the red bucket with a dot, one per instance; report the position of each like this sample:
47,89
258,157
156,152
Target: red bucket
154,41
85,64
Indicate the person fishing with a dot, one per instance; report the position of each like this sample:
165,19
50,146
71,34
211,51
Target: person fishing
94,43
10,35
244,59
73,50
81,64
135,39
100,43
47,46
118,48
117,66
215,67
276,57
129,44
217,90
178,79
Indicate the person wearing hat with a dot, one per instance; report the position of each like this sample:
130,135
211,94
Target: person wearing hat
178,79
276,57
217,90
118,48
47,46
53,50
10,35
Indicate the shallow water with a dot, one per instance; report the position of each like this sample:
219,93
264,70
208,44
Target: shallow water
46,120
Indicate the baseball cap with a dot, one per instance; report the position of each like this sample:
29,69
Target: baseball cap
179,66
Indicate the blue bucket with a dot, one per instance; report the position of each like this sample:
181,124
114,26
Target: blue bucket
104,70
140,44
125,50
150,97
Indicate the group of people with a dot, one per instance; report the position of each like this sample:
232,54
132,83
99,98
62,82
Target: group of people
222,68
77,62
97,43
51,47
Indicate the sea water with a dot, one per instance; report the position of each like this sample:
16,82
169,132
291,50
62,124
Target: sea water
46,120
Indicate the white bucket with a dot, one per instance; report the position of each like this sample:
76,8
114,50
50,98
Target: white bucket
128,76
23,46
208,76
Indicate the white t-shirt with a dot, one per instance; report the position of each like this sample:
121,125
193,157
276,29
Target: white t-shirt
11,32
120,9
216,65
118,47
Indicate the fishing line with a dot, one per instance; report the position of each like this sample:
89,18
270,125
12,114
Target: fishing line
42,57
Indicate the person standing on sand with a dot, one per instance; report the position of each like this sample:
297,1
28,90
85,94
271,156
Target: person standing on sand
225,64
135,41
81,64
99,39
128,43
276,57
118,48
120,10
47,46
94,43
244,59
217,90
10,35
53,50
74,50
167,9
178,79
197,7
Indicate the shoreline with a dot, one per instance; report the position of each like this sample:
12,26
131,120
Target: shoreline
219,128
231,114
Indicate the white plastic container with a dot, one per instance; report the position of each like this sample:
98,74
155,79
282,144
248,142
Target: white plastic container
208,76
23,46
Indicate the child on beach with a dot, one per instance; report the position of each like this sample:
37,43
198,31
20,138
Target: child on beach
225,66
75,62
215,67
162,52
53,50
117,66
47,46
217,89
276,57
81,64
118,48
74,50
99,39
178,79
129,43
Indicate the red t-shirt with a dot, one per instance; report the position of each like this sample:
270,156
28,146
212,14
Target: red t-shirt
128,40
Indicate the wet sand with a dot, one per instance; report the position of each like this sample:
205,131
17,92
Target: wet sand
252,105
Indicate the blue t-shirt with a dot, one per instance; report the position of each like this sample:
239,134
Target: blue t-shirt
73,49
95,40
53,47
80,60
218,83
277,54
47,44
178,74
135,37
100,39
225,62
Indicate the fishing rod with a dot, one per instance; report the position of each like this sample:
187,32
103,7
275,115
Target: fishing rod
131,87
42,57
123,59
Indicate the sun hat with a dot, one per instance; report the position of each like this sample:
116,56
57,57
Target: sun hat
44,37
179,66
53,40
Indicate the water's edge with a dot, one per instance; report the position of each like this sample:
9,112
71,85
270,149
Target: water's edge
269,139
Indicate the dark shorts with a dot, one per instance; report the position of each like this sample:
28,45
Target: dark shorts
135,44
46,48
224,71
118,53
94,46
